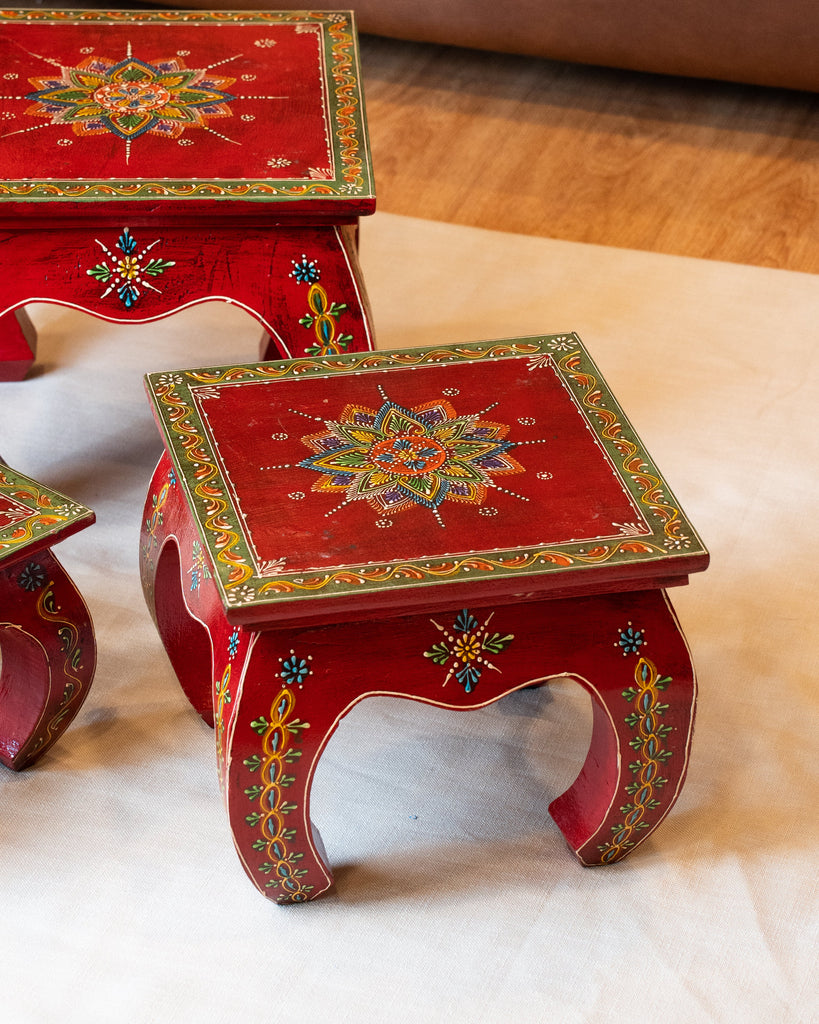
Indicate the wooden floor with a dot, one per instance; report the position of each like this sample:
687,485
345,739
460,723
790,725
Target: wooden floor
704,169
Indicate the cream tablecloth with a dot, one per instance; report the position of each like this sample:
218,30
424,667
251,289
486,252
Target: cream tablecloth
120,895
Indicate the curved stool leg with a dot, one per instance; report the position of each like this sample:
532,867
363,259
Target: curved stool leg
18,344
319,296
267,771
215,665
48,657
167,537
643,722
185,639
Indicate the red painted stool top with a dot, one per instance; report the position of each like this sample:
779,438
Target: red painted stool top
191,114
34,517
153,160
373,483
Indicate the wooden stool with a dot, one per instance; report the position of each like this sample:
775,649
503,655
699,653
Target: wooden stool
447,525
153,160
47,651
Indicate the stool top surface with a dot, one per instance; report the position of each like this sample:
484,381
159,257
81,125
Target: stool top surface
378,480
33,516
211,113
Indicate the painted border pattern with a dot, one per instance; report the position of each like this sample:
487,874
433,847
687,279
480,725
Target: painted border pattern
355,179
222,536
74,691
279,738
242,584
634,463
650,735
51,512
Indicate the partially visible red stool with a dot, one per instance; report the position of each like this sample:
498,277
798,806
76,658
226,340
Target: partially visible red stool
151,160
446,525
47,649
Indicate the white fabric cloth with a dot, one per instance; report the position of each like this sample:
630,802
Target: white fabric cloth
456,900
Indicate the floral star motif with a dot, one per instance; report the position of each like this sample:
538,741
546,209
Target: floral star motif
631,640
131,97
127,273
295,670
465,645
32,577
397,458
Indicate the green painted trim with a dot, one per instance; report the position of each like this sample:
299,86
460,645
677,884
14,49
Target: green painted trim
350,138
672,542
52,514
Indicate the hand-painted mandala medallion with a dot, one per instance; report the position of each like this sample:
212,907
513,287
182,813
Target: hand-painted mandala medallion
397,458
130,97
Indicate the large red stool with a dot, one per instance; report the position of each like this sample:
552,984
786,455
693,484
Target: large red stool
47,649
153,160
446,525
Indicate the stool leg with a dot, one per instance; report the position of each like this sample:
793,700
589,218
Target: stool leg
48,657
325,306
274,735
18,344
643,718
229,675
277,721
167,532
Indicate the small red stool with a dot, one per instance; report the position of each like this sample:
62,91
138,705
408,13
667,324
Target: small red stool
47,650
153,160
446,525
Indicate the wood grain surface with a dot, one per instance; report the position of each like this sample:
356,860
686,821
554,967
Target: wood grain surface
673,165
